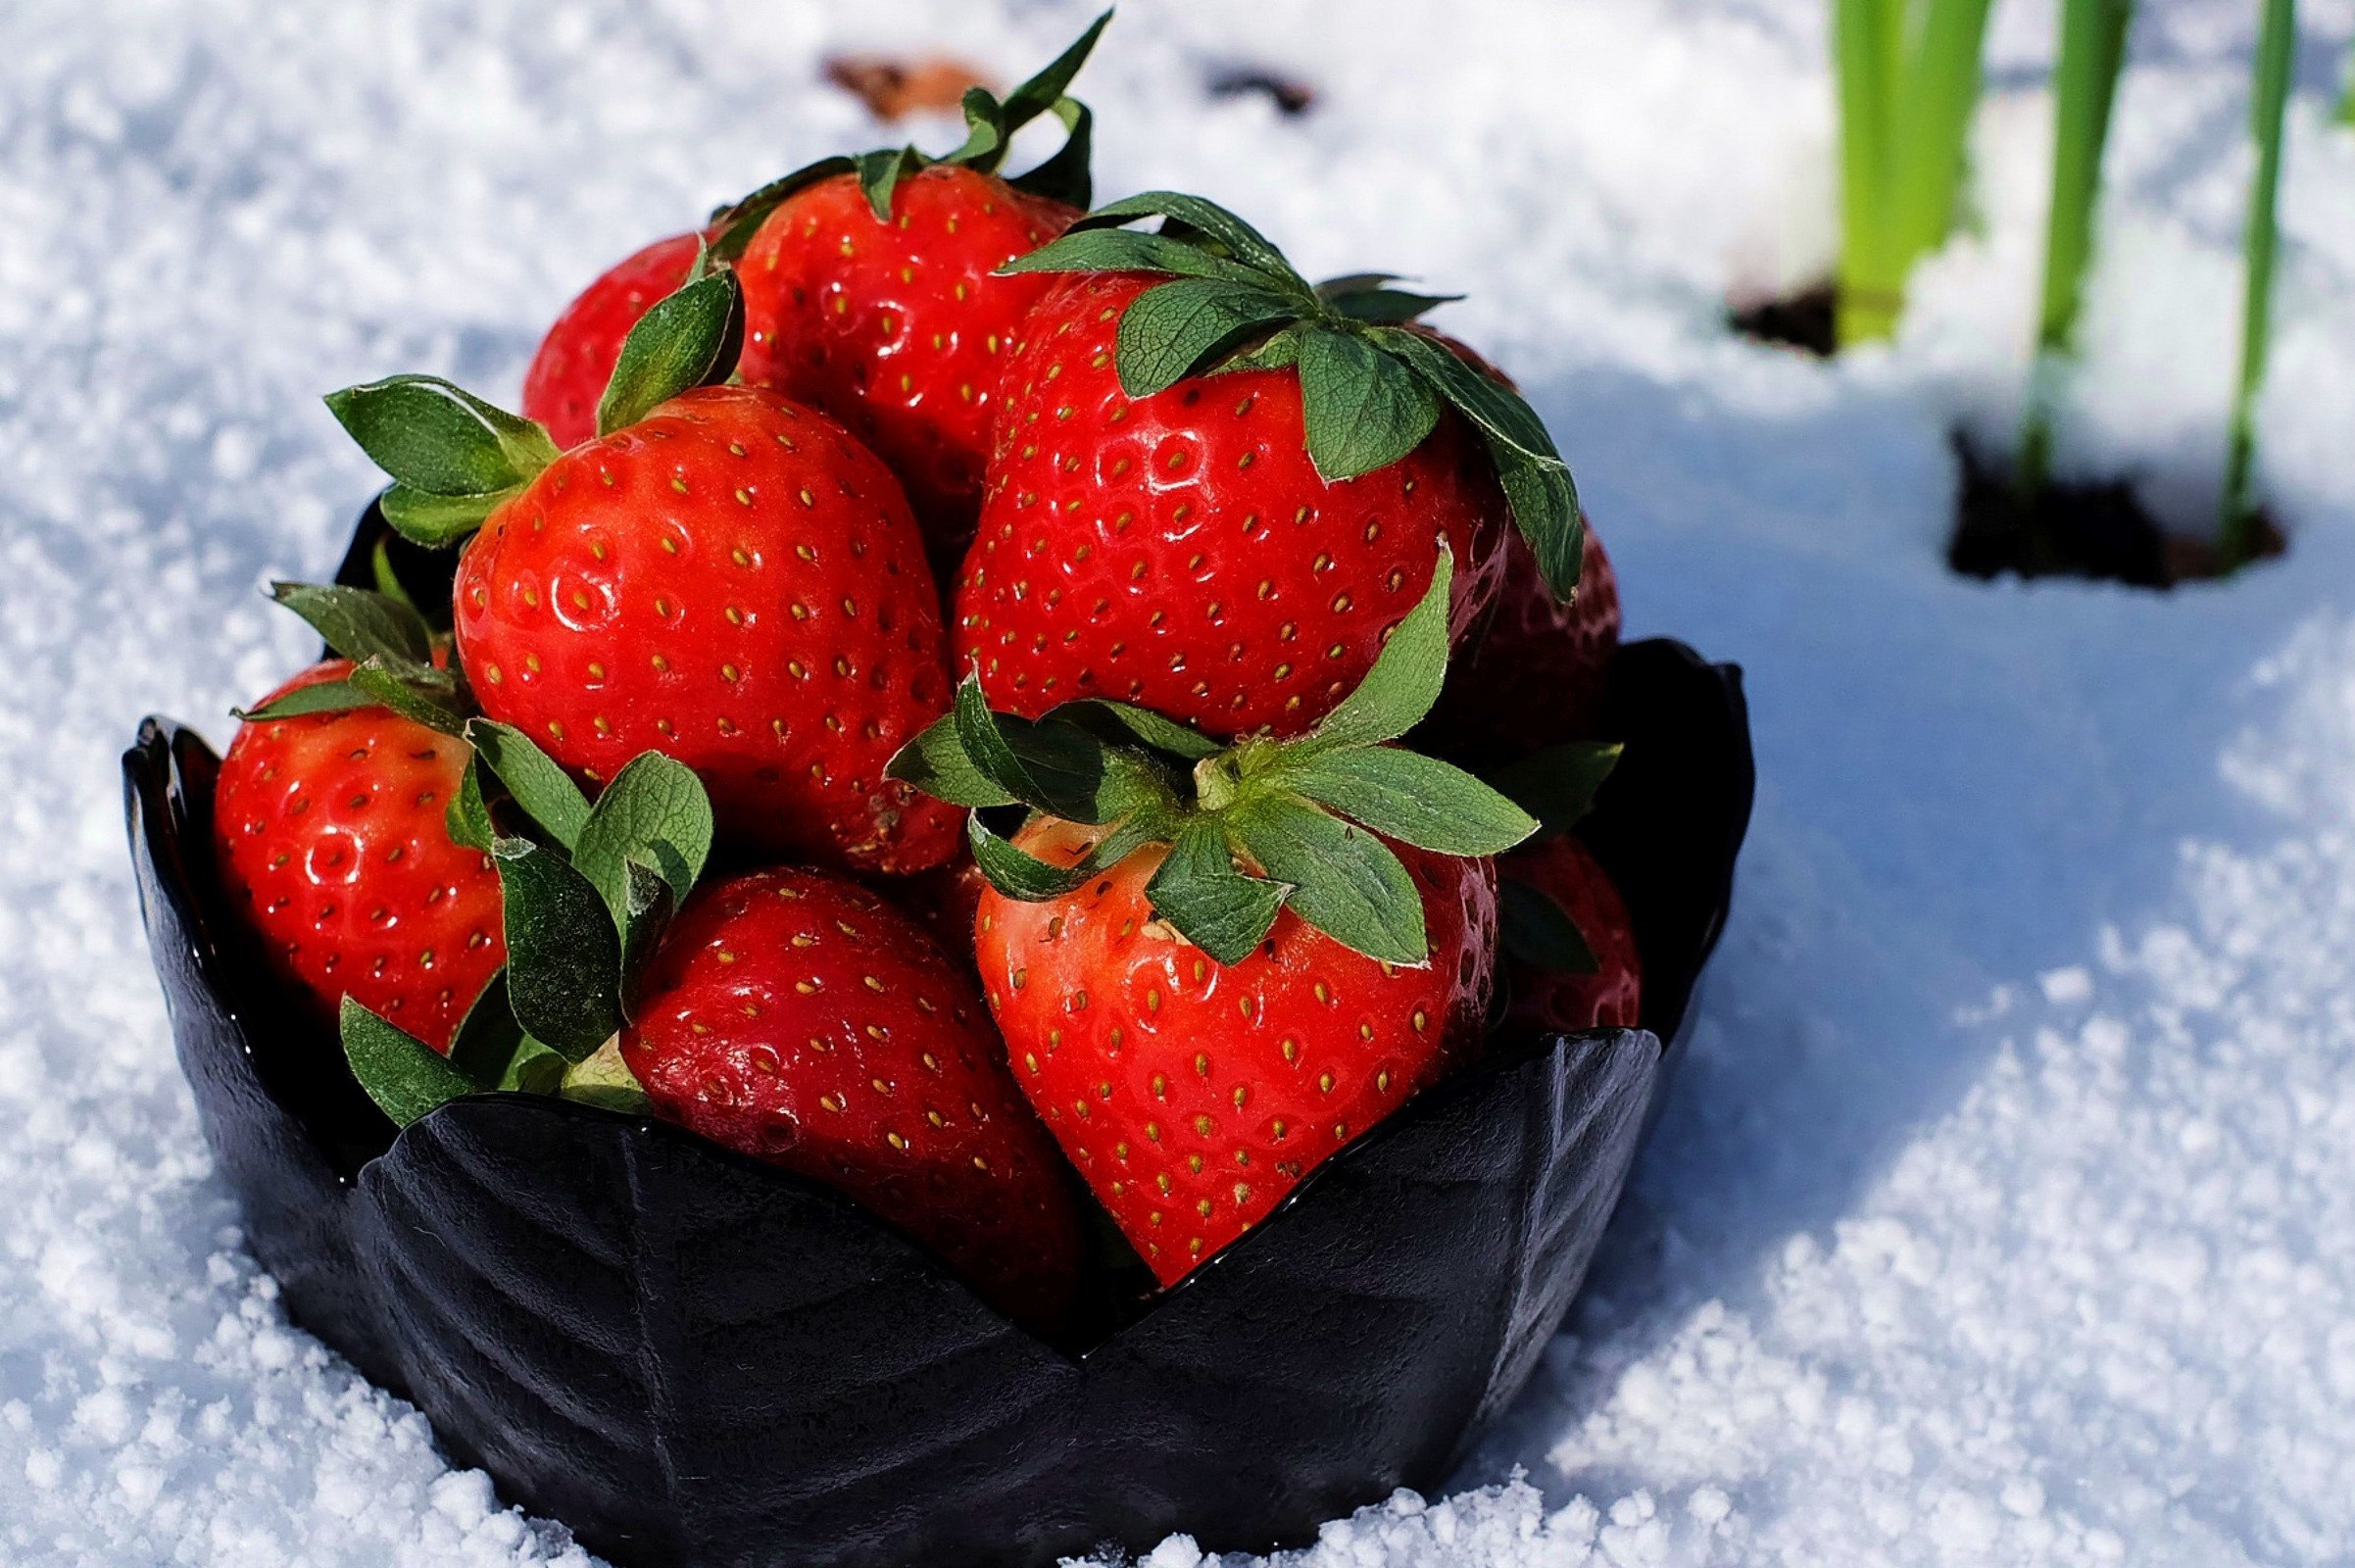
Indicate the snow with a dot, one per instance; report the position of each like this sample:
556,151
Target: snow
2003,1214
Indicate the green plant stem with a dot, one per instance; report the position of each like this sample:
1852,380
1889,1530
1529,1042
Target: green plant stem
1940,88
1909,80
1867,36
2277,48
2085,91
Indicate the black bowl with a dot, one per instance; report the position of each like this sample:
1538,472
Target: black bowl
694,1359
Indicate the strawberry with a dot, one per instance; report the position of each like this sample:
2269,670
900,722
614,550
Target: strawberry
328,828
1192,1095
724,577
897,324
1214,967
1214,489
798,1018
735,582
871,289
943,901
1606,989
1533,673
574,360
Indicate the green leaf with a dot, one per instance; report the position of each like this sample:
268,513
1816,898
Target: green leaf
401,1073
935,761
1418,800
1197,890
1362,408
1207,219
1536,481
438,521
1345,881
1557,785
402,691
439,439
1368,297
606,1081
1123,723
656,813
1122,250
539,785
1172,329
362,622
984,146
358,622
1042,91
388,581
1537,931
645,916
1065,177
736,225
1056,768
1405,679
879,175
488,1037
564,955
688,340
1277,352
536,1070
468,816
1016,872
319,697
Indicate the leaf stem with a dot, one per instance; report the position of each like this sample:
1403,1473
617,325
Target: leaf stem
1909,78
2092,53
2277,49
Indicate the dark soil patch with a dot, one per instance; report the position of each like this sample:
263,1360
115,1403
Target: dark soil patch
2100,531
1804,320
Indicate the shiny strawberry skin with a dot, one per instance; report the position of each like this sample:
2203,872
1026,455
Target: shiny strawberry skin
1612,996
795,1018
328,830
898,328
733,581
1179,551
1193,1095
1533,674
576,358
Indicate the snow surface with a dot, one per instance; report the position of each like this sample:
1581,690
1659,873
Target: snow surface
2006,1209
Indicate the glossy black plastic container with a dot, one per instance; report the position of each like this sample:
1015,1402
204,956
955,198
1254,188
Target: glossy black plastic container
698,1361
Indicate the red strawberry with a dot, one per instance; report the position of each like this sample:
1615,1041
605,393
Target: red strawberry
735,582
872,286
897,327
1180,551
568,374
1191,1094
1565,871
1534,675
330,828
797,1018
943,901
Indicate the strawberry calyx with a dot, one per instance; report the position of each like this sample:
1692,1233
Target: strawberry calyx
1251,828
455,459
1373,384
586,894
990,127
392,650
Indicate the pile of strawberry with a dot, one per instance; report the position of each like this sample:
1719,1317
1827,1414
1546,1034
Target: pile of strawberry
923,701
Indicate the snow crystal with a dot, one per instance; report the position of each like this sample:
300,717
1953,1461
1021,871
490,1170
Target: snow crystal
2002,1212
